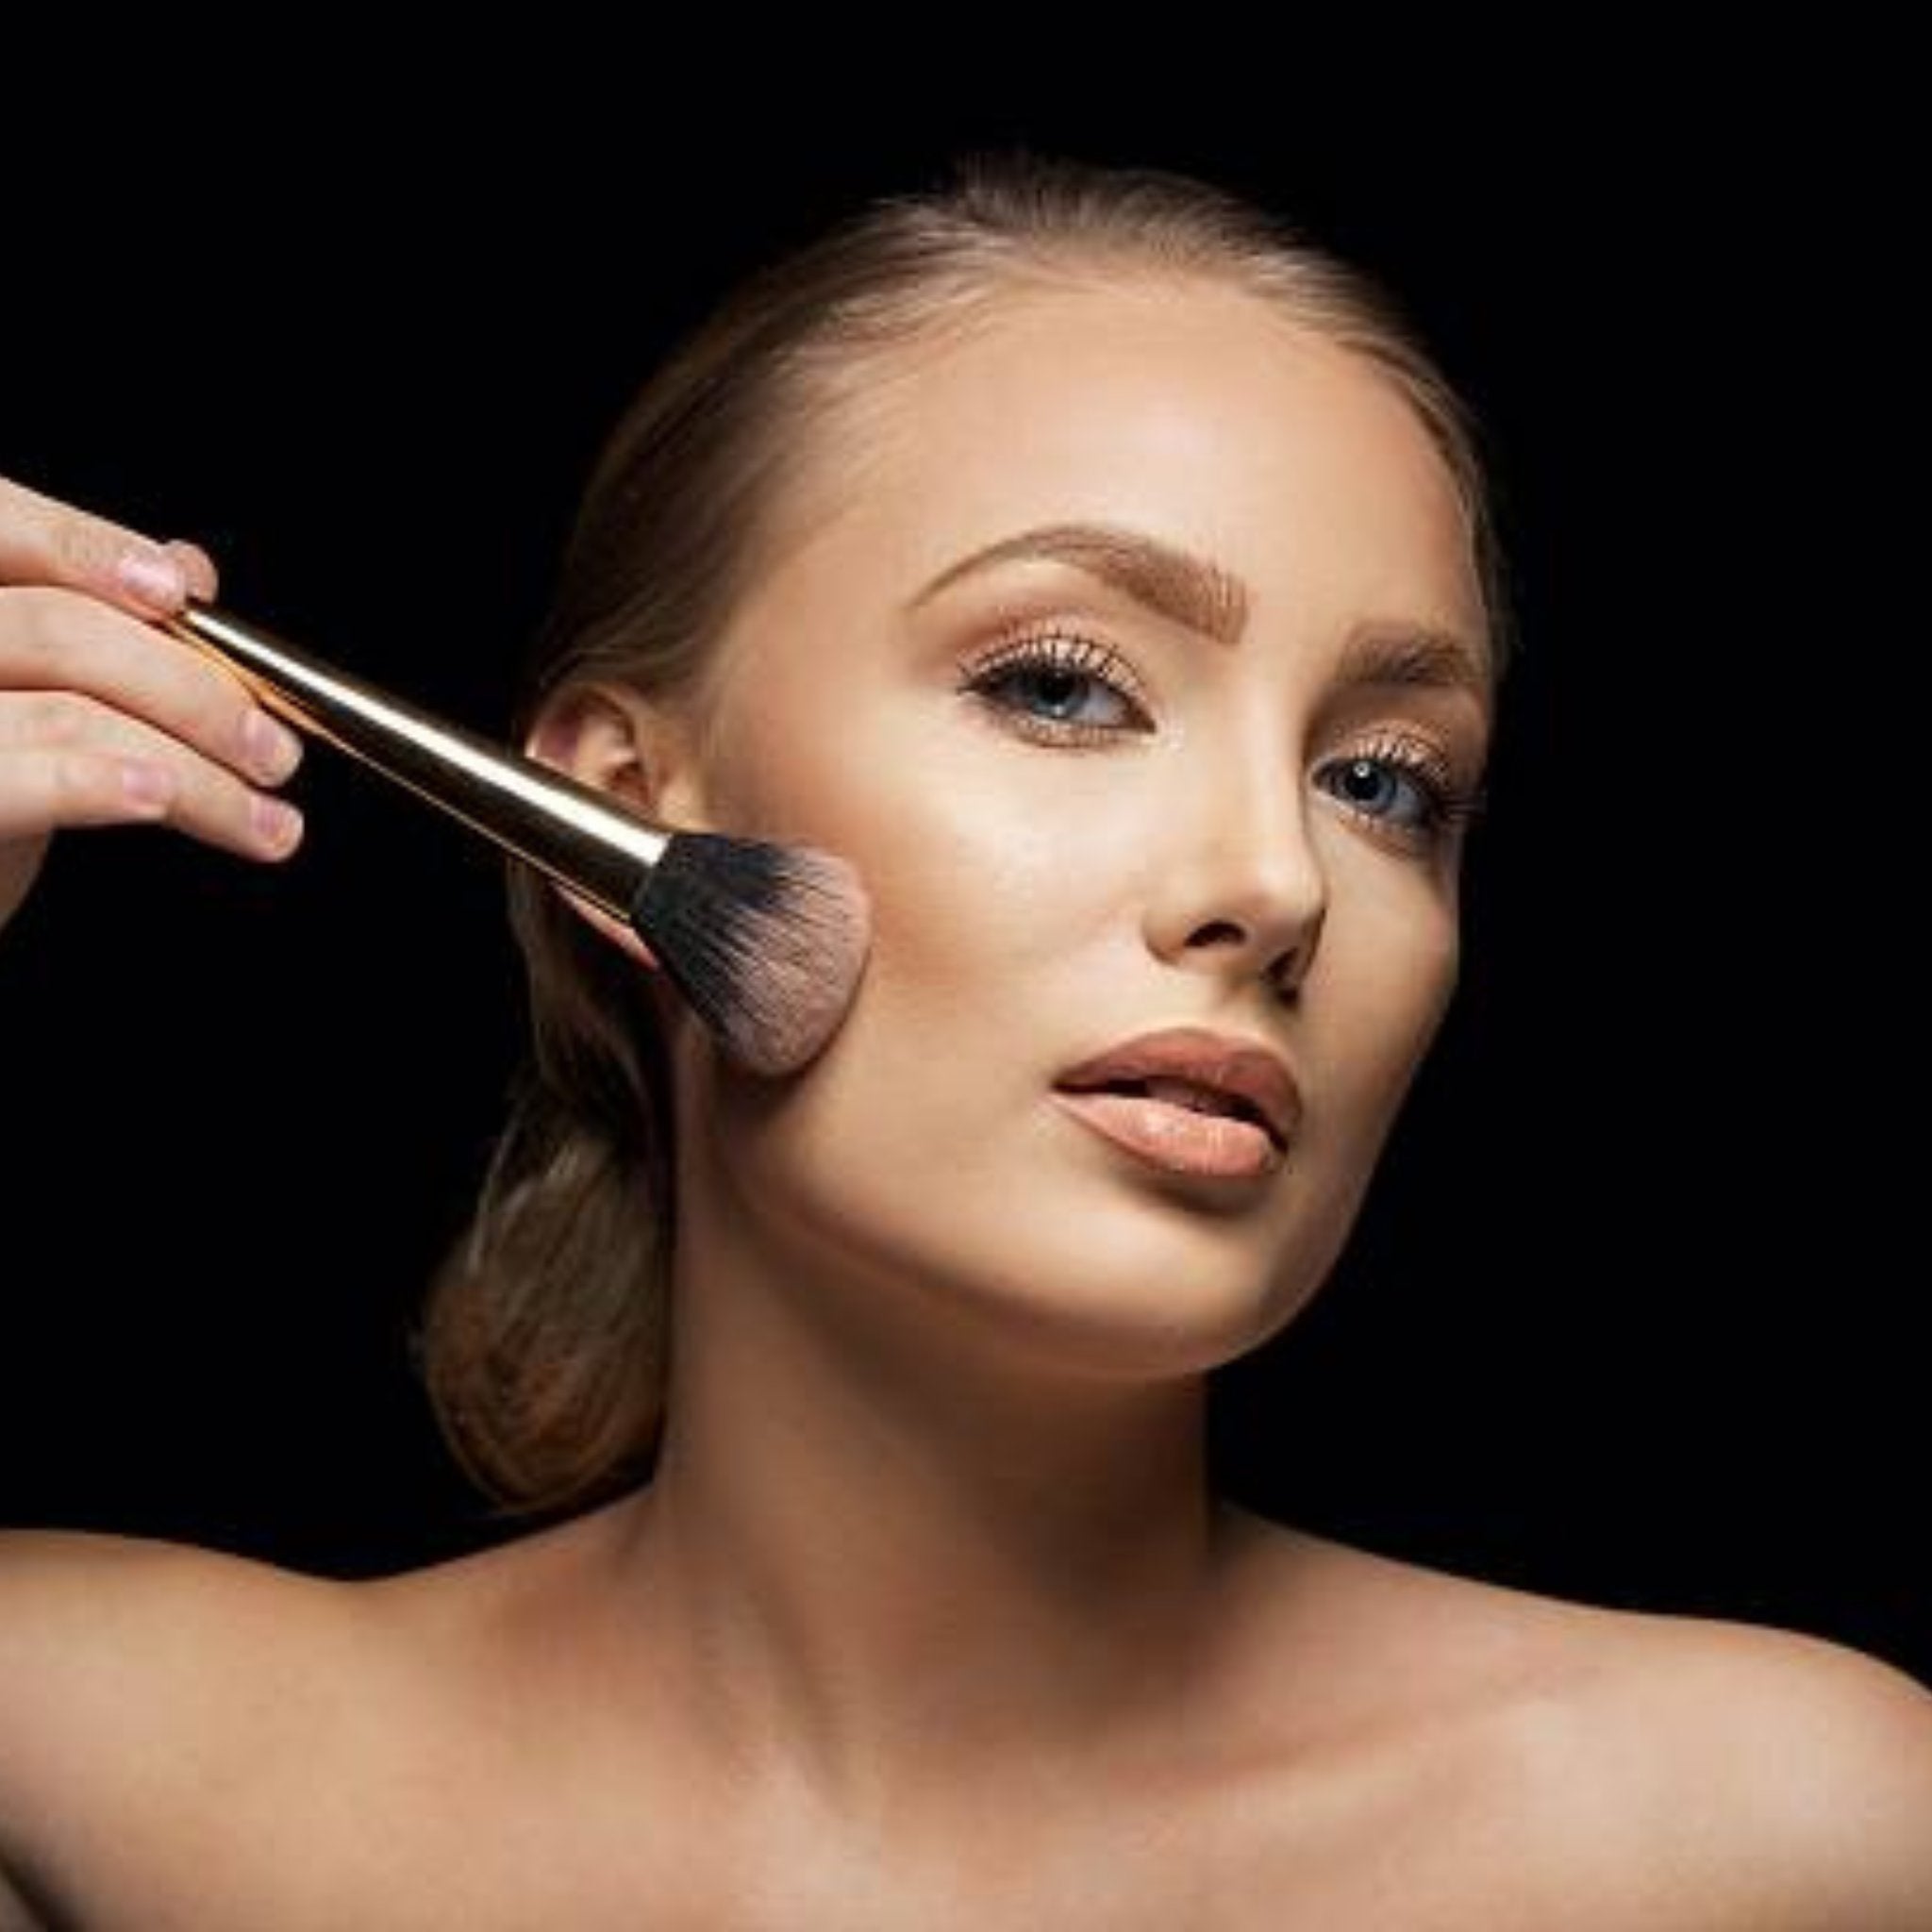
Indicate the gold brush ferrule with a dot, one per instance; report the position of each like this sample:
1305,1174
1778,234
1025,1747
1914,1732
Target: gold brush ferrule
564,828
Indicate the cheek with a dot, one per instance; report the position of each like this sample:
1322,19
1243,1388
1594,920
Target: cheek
977,860
1385,977
988,902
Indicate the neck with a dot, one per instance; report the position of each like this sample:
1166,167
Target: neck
866,1536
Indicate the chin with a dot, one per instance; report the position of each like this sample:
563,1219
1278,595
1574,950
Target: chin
1119,1286
1014,1232
1144,1299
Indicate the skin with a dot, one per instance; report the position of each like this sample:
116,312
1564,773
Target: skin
928,1617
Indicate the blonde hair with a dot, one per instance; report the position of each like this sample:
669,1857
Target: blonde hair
545,1339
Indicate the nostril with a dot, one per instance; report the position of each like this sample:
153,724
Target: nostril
1217,932
1284,975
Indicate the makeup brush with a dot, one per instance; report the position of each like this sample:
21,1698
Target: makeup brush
765,941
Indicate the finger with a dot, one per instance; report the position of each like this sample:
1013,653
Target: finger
54,640
50,790
69,761
203,581
47,541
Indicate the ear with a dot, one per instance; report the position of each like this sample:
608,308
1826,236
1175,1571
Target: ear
645,755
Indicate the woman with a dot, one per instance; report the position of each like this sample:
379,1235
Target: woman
1107,576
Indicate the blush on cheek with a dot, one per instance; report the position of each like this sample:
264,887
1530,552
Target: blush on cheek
802,780
744,794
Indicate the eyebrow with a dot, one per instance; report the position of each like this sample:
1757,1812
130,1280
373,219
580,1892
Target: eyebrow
1412,658
1202,596
1172,583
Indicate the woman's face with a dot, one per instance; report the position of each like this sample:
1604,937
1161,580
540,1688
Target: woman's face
1091,800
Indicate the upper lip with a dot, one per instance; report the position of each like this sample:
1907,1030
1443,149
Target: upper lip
1243,1069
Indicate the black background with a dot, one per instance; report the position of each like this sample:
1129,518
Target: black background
1631,1315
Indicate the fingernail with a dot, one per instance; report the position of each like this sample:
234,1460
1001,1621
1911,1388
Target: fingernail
152,578
272,750
277,824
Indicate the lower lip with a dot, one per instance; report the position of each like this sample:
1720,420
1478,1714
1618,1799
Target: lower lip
1176,1139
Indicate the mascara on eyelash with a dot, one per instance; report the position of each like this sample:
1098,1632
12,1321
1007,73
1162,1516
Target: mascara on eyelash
1057,654
1450,806
1052,647
1453,801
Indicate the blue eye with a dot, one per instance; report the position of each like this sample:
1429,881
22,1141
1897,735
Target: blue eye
1059,688
1061,695
1382,790
1403,787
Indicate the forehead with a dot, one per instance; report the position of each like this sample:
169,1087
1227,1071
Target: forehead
1200,413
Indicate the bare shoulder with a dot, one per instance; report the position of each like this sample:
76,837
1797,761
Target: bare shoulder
1669,1770
1800,1769
87,1619
179,1725
137,1676
102,1628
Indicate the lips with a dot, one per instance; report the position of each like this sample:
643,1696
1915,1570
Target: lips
1195,1068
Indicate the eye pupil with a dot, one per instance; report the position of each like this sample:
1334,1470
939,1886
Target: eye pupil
1058,689
1062,690
1364,780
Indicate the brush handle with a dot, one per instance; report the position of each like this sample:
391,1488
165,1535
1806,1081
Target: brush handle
564,828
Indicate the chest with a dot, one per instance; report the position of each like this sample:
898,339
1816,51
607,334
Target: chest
460,1853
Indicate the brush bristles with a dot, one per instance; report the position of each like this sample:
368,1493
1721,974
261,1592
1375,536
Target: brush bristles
764,942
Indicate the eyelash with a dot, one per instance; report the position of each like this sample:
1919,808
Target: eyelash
1060,654
1447,805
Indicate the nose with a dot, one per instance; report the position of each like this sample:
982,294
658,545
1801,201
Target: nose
1240,891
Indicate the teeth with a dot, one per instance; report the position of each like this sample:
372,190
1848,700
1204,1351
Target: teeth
1185,1093
1188,1093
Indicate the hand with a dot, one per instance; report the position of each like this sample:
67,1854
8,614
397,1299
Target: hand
106,719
